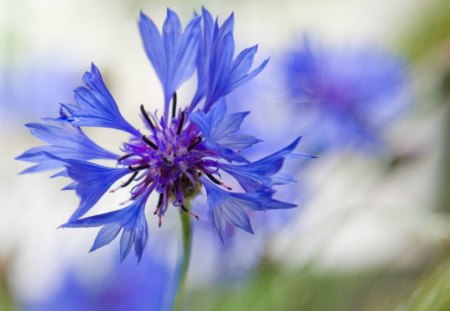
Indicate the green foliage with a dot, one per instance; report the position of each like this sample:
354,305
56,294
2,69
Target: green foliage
433,291
428,31
6,300
307,289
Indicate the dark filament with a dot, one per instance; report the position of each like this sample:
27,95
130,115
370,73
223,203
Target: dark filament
187,211
194,144
174,104
180,123
149,142
124,157
218,182
160,201
138,168
214,179
147,117
130,180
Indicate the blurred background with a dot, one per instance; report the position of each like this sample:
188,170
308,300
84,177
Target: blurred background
367,84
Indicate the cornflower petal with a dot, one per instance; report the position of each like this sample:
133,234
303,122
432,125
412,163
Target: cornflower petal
257,176
95,105
184,64
203,58
238,80
131,220
219,131
65,141
218,74
152,42
173,53
43,166
91,182
229,207
106,235
224,74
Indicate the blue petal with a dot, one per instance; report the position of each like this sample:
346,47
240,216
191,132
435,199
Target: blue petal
187,53
256,176
223,208
96,106
282,179
218,73
92,181
71,139
272,163
229,124
141,233
131,220
71,186
65,141
206,120
243,62
171,33
203,58
106,235
152,41
44,166
229,207
241,79
219,131
174,53
238,141
227,26
62,173
223,131
126,242
220,67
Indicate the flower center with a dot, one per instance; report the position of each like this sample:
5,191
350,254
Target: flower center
169,160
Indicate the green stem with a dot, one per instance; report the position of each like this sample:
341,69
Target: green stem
184,267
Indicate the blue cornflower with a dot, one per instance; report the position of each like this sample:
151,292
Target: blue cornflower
346,96
129,286
173,155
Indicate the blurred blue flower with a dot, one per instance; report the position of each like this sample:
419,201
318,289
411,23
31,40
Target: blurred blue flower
30,90
176,153
129,286
345,97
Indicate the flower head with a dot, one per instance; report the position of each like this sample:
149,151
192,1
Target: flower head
173,155
128,286
347,95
